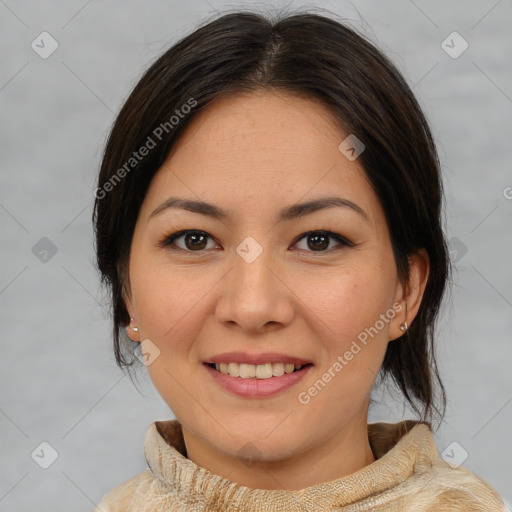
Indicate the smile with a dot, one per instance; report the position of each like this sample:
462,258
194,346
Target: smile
258,371
255,381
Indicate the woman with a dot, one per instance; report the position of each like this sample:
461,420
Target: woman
268,220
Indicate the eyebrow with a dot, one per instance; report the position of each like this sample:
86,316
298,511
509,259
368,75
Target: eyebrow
288,213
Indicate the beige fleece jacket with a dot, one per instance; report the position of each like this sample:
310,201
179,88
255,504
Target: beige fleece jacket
408,475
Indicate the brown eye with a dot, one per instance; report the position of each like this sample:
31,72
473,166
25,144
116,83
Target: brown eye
319,241
193,241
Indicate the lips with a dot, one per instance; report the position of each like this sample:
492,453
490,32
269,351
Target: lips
257,359
257,387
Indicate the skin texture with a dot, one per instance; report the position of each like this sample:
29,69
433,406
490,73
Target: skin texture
252,154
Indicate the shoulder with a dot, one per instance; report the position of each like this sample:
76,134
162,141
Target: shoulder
124,495
450,489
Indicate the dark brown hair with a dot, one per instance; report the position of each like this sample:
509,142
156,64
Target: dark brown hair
316,57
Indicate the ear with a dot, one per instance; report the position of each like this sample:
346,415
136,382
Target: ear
134,335
411,295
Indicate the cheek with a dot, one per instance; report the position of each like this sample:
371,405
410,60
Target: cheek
347,305
171,302
345,310
169,305
348,302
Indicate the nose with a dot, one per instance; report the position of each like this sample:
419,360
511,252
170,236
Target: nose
254,295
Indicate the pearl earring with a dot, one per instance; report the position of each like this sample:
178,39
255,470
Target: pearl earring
404,326
135,329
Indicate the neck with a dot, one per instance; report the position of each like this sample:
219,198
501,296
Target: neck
346,452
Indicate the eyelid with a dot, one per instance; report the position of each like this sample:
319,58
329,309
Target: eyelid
341,239
168,240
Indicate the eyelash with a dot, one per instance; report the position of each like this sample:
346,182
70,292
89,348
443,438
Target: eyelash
169,240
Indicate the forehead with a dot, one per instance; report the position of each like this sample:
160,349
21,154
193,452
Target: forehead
285,126
260,148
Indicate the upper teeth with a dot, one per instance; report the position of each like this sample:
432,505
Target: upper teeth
260,371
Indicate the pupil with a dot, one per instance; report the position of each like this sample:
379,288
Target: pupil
323,240
193,238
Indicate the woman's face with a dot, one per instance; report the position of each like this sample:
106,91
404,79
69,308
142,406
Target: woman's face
262,279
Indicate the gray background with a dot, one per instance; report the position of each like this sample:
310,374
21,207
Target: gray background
59,380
